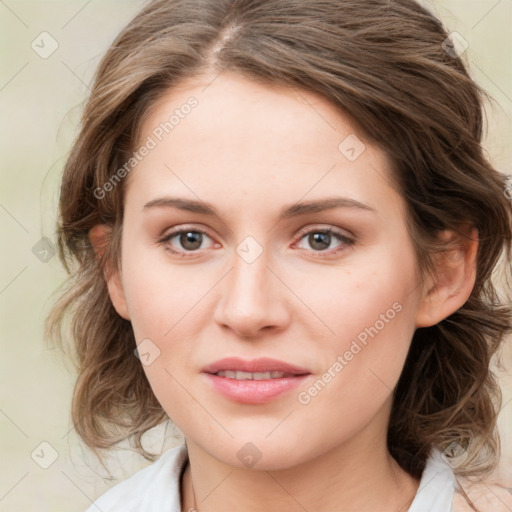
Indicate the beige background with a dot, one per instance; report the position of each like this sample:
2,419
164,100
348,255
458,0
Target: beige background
40,102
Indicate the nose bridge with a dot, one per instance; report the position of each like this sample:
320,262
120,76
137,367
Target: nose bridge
249,286
250,298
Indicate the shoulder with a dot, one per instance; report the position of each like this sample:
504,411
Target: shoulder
487,497
157,485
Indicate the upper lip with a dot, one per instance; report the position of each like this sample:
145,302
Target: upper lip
262,364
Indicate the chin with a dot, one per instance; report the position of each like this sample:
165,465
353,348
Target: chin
258,453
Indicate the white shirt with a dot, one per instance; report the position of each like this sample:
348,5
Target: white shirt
156,488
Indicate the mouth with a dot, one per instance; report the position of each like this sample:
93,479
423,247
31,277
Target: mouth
253,382
256,367
240,375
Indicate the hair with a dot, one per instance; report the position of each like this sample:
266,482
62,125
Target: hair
383,64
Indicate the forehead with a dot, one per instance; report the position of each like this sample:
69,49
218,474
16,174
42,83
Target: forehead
231,108
243,138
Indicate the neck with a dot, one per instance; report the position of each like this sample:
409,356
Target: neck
362,476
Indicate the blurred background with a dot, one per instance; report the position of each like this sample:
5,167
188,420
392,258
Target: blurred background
50,50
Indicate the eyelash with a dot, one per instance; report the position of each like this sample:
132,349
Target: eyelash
342,238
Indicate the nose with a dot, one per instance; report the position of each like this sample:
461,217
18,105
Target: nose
253,299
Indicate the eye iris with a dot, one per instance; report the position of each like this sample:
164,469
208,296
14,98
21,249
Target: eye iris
193,237
319,237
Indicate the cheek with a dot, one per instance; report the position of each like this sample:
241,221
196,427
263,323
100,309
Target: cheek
160,294
372,315
375,298
167,317
362,365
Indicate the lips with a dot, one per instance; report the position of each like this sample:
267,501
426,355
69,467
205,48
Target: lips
255,366
253,382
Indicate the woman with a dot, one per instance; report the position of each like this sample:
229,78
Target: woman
286,208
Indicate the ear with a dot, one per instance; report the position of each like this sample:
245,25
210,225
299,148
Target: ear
99,237
454,278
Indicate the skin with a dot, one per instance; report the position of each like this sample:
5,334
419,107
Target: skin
251,150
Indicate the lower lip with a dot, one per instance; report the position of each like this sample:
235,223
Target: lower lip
254,391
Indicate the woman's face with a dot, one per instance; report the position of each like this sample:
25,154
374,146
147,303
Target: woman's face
261,277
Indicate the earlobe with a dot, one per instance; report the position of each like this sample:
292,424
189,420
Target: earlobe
99,237
115,290
454,279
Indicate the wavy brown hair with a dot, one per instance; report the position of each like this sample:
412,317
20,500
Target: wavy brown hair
382,63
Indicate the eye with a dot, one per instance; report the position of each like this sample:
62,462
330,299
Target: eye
190,240
320,239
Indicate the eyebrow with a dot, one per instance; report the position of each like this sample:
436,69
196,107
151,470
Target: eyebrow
294,210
